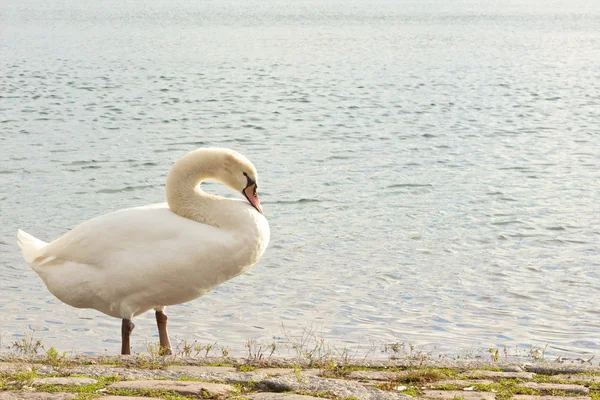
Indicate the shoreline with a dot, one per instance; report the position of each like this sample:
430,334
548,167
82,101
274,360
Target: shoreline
570,366
60,377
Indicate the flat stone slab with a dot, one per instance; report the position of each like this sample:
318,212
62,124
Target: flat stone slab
499,374
181,387
553,368
287,371
366,382
530,397
337,387
276,371
279,396
64,381
10,367
556,386
576,378
127,398
373,375
379,375
36,396
451,394
460,382
223,374
199,370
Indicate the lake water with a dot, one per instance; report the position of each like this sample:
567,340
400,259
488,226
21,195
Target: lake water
430,169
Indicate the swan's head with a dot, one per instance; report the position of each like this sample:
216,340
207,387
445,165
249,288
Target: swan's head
240,175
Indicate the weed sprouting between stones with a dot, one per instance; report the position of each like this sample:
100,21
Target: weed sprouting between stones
28,345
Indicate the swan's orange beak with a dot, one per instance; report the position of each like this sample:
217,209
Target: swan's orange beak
252,196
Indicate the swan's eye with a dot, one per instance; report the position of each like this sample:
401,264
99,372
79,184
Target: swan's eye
249,181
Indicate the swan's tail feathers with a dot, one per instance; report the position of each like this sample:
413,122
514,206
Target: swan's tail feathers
30,246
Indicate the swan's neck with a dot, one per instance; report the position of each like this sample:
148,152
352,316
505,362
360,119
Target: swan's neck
184,196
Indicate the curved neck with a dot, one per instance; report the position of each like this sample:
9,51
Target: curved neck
183,197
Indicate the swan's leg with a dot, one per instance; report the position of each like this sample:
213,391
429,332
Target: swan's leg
163,335
126,328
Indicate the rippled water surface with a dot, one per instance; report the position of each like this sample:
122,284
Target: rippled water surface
430,169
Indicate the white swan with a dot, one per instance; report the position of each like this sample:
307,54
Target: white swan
133,260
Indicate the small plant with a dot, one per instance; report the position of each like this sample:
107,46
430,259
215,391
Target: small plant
258,351
273,348
184,349
22,379
199,348
298,374
585,361
393,349
246,368
28,345
309,347
225,351
537,353
155,359
494,354
420,376
347,355
245,387
332,369
410,353
55,359
153,350
195,349
255,351
410,391
208,348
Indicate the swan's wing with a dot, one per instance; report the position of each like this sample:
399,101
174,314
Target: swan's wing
131,236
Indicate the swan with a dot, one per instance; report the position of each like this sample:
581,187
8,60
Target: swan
133,260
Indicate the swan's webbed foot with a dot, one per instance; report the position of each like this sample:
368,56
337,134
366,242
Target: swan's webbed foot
165,344
126,329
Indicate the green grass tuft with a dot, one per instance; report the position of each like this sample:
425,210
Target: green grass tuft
506,388
246,368
420,376
245,387
411,391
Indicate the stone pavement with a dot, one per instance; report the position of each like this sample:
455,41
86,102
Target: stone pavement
131,378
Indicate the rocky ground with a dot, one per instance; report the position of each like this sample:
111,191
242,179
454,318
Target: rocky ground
55,377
